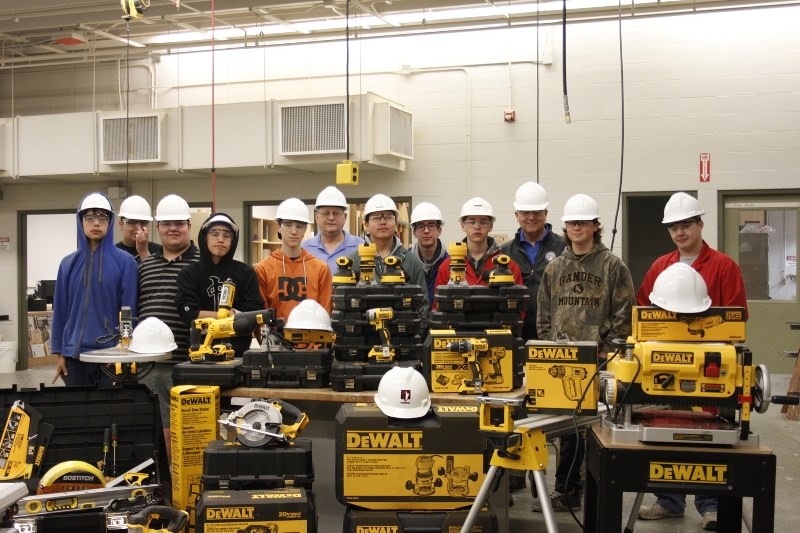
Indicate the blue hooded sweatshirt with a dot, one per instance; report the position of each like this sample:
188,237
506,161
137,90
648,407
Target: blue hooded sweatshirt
91,288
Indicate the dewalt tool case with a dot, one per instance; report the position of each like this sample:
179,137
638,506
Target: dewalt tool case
287,369
477,320
361,298
226,374
358,348
353,323
289,509
356,377
431,463
505,298
363,521
230,465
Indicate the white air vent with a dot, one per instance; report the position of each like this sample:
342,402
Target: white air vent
393,131
134,139
313,129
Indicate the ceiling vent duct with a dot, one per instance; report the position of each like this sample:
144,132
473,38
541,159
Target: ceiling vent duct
134,139
393,130
308,129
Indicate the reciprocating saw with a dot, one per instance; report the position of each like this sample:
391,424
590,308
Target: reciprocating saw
215,329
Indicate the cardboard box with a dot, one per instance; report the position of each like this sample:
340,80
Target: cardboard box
194,412
715,324
289,509
37,350
557,374
430,463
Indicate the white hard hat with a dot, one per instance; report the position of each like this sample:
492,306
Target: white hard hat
96,201
309,314
403,393
681,206
530,196
425,211
292,209
680,289
477,207
380,202
220,218
135,208
152,336
172,207
332,197
580,207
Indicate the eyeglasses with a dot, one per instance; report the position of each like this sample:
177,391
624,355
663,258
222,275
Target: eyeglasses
388,217
220,234
579,223
681,226
174,223
535,214
430,226
291,224
95,218
130,222
478,223
329,214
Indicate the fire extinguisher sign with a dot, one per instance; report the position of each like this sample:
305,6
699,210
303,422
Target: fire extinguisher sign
705,167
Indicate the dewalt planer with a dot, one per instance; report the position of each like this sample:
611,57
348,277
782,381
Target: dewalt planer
24,443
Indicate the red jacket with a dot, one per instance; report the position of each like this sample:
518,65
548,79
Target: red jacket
721,274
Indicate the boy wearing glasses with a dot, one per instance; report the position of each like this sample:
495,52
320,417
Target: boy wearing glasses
200,284
477,220
426,223
332,241
134,224
291,274
725,288
586,294
92,285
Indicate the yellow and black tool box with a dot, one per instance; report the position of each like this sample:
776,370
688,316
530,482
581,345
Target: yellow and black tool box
558,375
268,511
398,297
505,298
364,521
354,323
477,320
451,357
358,348
715,324
430,463
226,374
287,369
231,465
348,376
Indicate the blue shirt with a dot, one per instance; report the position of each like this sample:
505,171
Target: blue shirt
532,250
348,246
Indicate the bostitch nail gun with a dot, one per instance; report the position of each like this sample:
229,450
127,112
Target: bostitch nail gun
378,318
24,443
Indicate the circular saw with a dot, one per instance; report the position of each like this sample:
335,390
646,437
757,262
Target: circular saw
261,423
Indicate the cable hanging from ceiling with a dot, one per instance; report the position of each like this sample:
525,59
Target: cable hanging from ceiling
622,123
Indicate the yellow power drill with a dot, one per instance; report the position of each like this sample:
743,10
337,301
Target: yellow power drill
471,350
377,318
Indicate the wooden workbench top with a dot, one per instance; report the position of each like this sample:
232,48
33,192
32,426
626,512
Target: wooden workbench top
329,395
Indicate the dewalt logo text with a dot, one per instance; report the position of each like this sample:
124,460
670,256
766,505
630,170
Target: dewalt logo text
229,513
689,473
677,358
656,314
444,344
553,353
457,408
403,440
377,529
278,496
196,401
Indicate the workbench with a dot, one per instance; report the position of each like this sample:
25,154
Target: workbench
321,407
728,473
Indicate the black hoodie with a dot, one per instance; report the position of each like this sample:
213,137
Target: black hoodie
199,284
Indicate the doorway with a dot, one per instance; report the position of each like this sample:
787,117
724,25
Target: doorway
645,238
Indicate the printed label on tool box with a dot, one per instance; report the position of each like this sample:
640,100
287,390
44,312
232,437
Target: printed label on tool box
472,363
558,374
716,324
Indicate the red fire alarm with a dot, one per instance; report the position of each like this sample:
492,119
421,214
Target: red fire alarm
509,115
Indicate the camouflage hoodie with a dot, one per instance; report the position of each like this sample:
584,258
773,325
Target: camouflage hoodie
589,298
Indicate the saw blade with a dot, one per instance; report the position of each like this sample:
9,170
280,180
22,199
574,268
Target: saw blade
257,424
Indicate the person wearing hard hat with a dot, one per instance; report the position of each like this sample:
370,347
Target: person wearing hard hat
724,287
586,294
92,285
426,223
200,284
134,223
290,274
534,245
477,220
332,241
380,224
158,291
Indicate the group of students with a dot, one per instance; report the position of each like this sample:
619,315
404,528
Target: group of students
579,290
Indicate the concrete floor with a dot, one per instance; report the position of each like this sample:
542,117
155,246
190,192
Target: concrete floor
778,433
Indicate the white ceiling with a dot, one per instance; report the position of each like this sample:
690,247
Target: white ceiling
30,29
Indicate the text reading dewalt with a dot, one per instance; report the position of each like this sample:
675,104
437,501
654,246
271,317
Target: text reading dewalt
383,440
676,358
689,473
553,353
377,529
656,314
196,401
229,513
